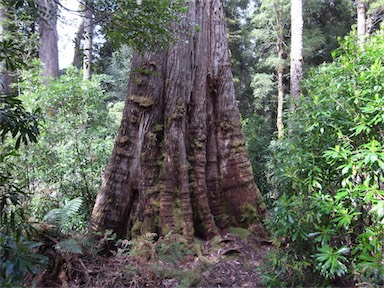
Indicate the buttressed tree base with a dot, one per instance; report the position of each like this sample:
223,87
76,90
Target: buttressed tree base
180,160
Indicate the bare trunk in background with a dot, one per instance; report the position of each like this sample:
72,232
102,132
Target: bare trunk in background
280,90
88,40
180,160
48,52
296,72
5,76
78,49
280,67
361,21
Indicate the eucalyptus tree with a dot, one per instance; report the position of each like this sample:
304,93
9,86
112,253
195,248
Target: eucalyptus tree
88,26
77,56
271,25
375,15
5,77
361,21
370,15
296,58
323,22
241,47
18,39
48,50
180,160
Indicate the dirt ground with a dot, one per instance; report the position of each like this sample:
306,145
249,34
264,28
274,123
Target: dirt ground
230,260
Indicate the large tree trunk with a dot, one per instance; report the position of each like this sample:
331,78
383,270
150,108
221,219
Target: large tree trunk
48,52
180,160
296,72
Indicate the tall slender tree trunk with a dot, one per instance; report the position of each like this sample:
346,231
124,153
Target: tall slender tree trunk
48,52
5,76
180,160
296,72
361,22
88,40
278,7
78,50
280,91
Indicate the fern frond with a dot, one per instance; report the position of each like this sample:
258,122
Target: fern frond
59,217
55,217
69,246
72,207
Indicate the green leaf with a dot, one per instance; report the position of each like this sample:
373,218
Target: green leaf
345,169
378,209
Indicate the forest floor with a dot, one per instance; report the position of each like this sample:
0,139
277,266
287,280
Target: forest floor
231,260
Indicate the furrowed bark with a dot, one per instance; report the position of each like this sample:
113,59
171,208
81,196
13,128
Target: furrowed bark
180,161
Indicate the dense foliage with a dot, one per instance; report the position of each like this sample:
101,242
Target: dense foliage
329,173
324,181
17,125
75,142
259,134
323,22
76,132
145,26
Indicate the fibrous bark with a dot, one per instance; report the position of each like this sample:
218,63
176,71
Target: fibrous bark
180,160
48,51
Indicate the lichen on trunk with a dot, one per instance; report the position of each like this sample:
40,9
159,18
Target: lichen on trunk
180,161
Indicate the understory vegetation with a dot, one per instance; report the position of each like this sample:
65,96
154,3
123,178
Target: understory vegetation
328,173
323,182
48,188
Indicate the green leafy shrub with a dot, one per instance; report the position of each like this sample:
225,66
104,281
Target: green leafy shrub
75,142
16,121
119,69
17,259
329,219
12,195
259,134
17,125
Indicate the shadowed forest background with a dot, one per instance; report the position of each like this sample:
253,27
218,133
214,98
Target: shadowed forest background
310,210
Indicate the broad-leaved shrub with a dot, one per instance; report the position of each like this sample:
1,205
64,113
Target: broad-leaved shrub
329,218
